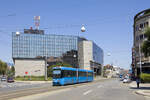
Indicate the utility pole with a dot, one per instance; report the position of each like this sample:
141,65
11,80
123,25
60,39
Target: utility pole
140,57
45,68
46,62
140,53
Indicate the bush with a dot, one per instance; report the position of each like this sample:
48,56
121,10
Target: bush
145,77
17,76
32,78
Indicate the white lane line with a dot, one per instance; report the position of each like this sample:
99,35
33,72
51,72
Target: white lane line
99,86
87,92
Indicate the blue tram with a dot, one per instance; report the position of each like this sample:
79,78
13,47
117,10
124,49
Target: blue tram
67,75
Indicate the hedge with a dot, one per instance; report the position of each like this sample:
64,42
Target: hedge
32,78
145,77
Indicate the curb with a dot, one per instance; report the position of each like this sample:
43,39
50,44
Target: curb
141,93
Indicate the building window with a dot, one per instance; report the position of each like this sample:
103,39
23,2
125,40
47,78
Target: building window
141,26
137,28
146,24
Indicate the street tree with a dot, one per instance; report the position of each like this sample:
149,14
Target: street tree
3,68
11,71
146,44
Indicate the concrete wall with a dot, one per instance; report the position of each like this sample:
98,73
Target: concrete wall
85,54
88,53
35,67
80,55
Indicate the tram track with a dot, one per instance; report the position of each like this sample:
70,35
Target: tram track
36,90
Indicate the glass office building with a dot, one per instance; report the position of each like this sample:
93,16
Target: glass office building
98,54
39,45
31,47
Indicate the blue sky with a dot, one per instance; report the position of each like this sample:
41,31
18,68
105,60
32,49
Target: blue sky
109,23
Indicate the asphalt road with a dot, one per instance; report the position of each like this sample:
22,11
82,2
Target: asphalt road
100,90
25,89
11,87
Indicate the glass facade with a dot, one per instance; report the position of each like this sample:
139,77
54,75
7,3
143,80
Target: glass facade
40,45
97,54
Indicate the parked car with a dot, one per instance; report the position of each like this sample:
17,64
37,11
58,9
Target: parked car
121,79
3,78
120,75
10,79
126,80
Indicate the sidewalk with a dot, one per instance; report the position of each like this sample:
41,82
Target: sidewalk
99,78
143,90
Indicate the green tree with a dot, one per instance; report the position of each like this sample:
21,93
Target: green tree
146,44
3,68
0,67
11,72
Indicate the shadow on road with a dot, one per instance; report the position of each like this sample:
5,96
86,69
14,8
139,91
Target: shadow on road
140,88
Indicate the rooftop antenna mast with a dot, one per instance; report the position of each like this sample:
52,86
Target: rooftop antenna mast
37,22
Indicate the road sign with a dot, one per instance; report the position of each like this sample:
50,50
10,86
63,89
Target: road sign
26,73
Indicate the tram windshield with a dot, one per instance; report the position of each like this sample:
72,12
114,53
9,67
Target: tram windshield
56,73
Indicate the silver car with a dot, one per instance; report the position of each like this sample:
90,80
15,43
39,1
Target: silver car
3,78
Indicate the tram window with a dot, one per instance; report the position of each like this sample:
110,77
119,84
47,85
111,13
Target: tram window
64,73
68,73
79,74
90,74
73,73
82,74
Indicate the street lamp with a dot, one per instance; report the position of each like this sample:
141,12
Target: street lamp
109,54
17,33
74,57
82,28
45,58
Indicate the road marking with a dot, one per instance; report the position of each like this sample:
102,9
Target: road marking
99,86
87,92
